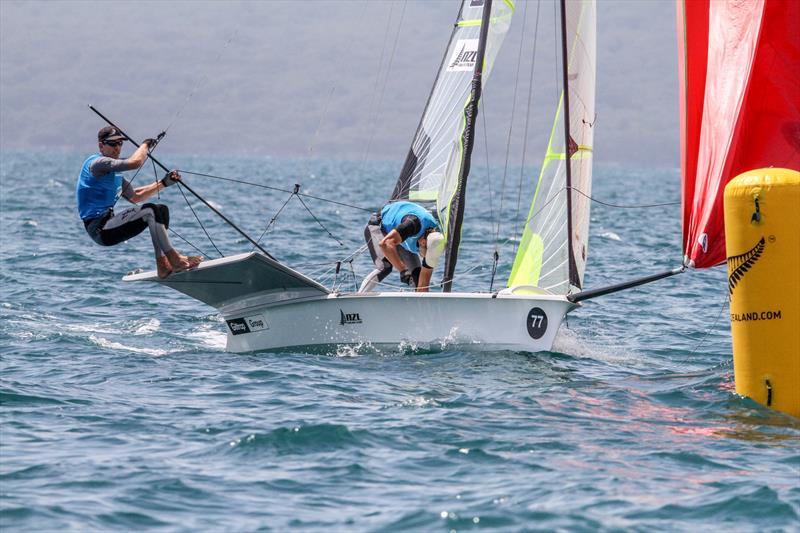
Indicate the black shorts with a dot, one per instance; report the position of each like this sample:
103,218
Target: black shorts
96,227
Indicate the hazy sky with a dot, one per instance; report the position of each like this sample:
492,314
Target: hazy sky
284,78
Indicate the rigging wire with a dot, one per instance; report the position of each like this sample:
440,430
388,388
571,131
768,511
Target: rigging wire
513,113
496,254
272,220
198,220
318,221
287,191
482,105
149,151
372,108
525,134
725,302
204,80
184,239
385,82
319,127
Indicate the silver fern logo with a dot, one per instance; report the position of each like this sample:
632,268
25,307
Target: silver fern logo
738,265
465,52
349,318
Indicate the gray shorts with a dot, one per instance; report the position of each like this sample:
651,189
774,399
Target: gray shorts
373,234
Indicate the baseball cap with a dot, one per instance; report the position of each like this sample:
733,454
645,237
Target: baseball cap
436,244
110,133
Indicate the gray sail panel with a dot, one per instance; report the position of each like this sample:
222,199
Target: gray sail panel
433,164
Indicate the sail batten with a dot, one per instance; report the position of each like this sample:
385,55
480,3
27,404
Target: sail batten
555,234
437,164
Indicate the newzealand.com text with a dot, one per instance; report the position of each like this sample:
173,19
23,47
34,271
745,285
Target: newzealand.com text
755,315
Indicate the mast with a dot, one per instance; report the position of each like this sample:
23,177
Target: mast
569,147
467,140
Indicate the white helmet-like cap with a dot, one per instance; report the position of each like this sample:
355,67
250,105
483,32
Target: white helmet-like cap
436,244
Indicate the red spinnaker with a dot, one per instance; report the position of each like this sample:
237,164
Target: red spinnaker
739,68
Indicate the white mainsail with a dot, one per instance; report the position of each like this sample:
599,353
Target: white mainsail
431,170
553,249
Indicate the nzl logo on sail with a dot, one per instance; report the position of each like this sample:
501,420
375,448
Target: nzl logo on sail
349,318
465,53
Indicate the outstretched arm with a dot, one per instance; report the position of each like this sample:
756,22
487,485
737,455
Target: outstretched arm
146,191
138,157
106,164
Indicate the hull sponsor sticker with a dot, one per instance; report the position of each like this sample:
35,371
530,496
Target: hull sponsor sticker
349,318
465,52
248,324
536,322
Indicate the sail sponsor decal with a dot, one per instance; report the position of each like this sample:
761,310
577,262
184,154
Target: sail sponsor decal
738,265
248,324
349,318
463,57
536,323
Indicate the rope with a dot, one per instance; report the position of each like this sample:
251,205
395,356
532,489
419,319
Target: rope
349,259
513,110
525,134
318,221
181,237
203,80
180,188
319,127
155,178
643,206
234,180
555,195
385,81
272,220
725,303
149,151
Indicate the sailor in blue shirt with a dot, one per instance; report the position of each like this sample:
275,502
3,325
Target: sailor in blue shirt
100,185
397,237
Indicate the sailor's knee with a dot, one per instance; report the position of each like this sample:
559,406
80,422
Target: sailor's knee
160,212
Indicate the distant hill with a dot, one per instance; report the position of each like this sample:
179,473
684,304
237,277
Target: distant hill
286,78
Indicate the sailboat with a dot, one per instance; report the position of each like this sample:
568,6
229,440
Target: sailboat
268,305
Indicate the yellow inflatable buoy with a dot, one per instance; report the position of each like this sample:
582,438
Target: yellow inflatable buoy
762,240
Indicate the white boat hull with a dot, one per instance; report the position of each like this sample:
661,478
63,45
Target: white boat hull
415,320
268,306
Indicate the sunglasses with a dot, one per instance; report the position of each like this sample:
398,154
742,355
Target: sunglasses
113,143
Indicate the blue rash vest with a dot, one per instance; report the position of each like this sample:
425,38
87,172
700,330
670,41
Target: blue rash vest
392,215
96,194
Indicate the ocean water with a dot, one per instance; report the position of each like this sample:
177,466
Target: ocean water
121,411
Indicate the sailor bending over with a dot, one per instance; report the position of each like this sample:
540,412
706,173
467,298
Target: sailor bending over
396,237
99,186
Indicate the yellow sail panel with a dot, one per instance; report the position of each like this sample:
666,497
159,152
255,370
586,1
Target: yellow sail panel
549,257
542,232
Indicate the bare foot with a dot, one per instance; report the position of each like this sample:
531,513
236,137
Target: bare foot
181,266
194,260
163,267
